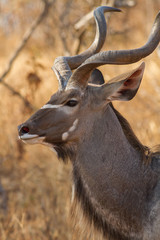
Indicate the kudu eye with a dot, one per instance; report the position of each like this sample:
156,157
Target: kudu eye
71,103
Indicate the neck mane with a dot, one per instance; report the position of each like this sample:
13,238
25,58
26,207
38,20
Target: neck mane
132,138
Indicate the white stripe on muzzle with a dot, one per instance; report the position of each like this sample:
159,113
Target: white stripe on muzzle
51,106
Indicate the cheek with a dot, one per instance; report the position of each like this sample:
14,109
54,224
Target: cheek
72,128
54,134
58,124
62,132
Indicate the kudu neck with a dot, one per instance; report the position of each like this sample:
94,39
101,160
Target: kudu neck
106,158
111,174
106,141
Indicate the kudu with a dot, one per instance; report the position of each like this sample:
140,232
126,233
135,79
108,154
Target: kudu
116,182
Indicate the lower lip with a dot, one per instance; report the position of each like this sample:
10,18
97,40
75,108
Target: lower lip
27,136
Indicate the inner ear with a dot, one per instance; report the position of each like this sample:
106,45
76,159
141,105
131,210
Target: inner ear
129,86
131,81
123,87
96,77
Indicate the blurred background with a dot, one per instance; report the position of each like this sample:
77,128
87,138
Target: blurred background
35,188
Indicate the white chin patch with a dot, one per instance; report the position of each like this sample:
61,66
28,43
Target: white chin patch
31,138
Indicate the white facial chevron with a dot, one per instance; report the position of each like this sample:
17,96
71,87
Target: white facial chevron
51,106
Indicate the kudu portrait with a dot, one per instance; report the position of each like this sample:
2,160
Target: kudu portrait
116,179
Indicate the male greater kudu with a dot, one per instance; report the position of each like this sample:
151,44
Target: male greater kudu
118,193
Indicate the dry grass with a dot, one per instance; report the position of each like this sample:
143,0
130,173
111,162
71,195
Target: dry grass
37,187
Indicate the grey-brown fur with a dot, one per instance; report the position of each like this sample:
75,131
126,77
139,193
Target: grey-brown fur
143,178
116,179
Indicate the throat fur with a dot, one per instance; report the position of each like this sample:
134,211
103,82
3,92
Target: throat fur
87,221
65,151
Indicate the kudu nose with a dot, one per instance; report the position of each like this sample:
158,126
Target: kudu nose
22,129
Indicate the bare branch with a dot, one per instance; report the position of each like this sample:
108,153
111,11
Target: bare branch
24,40
64,24
78,42
26,37
89,16
85,19
14,92
125,3
81,25
112,3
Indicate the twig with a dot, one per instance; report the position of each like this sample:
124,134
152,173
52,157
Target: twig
14,92
21,46
25,39
125,3
3,199
87,18
81,25
112,3
64,24
78,42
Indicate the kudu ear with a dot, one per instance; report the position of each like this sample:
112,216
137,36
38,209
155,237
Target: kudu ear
125,86
96,77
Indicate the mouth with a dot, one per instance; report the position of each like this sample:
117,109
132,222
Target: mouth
36,139
31,138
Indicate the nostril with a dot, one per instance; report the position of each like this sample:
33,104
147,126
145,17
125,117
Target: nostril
24,130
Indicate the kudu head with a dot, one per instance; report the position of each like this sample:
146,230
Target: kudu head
63,119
